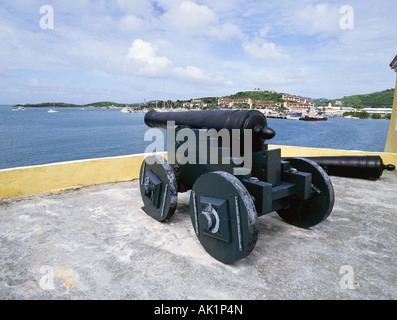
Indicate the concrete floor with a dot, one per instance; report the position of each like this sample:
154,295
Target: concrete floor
97,243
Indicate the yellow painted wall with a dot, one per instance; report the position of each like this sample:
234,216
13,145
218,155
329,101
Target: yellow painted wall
67,175
391,142
56,177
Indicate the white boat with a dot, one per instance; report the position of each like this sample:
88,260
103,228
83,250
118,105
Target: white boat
126,110
18,109
52,111
293,116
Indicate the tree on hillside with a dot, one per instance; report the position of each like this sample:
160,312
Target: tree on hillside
257,95
382,99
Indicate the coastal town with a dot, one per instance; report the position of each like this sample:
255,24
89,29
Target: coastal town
272,104
287,107
294,107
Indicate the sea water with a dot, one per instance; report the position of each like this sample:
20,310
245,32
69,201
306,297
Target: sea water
34,136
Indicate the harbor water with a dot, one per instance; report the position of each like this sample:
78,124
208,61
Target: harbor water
34,136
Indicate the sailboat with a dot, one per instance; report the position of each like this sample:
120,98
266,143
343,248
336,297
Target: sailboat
52,110
126,109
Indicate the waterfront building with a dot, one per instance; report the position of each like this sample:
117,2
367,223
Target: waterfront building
226,102
298,106
381,111
267,105
347,109
194,104
287,97
333,111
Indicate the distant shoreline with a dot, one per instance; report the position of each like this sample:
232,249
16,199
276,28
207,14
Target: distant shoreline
104,104
55,106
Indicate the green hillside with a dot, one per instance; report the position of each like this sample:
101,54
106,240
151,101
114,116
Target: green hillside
257,95
49,105
381,99
103,104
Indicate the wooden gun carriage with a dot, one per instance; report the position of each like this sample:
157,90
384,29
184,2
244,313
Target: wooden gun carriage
228,196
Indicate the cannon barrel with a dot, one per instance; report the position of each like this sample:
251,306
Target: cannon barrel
213,119
365,167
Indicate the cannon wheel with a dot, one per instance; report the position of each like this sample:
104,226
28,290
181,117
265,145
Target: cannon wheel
158,188
223,216
307,213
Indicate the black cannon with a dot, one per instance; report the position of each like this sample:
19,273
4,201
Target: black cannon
363,167
229,194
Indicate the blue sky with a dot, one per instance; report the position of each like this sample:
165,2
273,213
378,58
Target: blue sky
130,50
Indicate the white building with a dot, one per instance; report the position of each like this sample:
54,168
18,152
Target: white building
332,111
287,97
378,110
231,102
194,104
299,106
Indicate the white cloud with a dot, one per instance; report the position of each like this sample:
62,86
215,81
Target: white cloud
226,31
260,49
196,75
189,18
131,22
142,60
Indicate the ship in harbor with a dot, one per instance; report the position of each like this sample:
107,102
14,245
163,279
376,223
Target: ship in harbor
313,117
306,117
293,116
